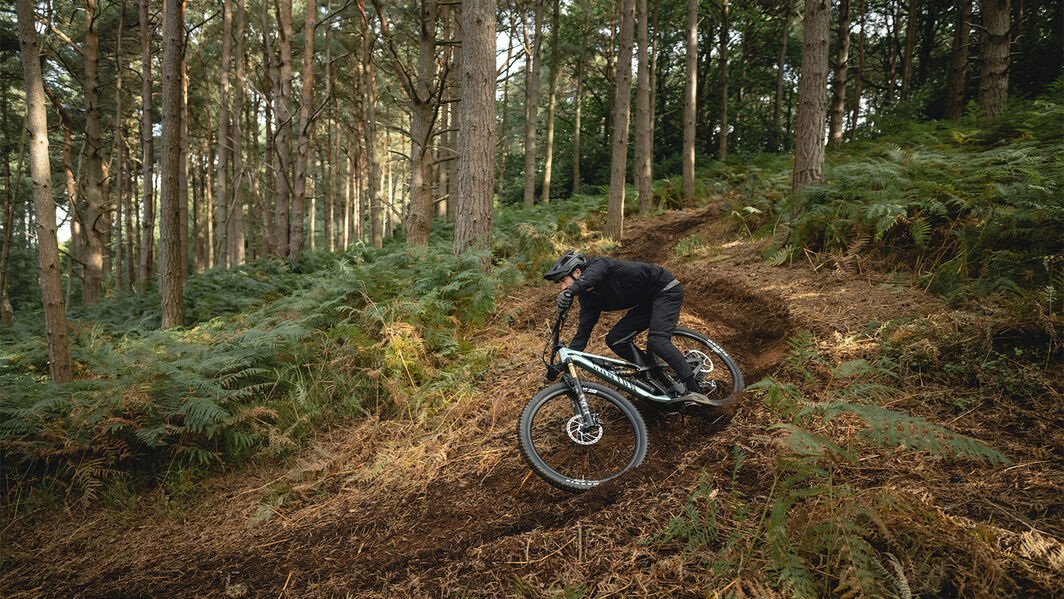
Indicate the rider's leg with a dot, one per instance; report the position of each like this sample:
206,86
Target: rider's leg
664,314
621,337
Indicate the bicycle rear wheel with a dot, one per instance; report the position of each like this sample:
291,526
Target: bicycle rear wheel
717,374
573,455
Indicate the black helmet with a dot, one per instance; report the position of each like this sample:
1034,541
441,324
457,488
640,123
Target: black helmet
565,266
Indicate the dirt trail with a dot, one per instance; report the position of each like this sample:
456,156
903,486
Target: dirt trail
372,512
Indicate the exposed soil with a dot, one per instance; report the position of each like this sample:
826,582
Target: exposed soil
400,509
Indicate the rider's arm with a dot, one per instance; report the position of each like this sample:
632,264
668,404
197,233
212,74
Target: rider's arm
588,317
594,273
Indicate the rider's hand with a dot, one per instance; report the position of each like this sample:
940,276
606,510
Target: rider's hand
565,299
552,373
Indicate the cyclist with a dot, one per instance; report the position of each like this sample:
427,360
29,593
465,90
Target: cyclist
651,295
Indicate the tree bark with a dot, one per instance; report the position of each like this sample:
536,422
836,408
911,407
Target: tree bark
855,103
425,104
812,95
643,141
958,61
147,221
777,111
504,135
579,100
282,137
95,216
994,74
838,84
376,216
7,313
533,42
621,110
235,217
690,99
221,165
552,100
476,168
59,363
295,247
722,143
121,206
907,58
170,276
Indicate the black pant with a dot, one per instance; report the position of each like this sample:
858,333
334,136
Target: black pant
659,319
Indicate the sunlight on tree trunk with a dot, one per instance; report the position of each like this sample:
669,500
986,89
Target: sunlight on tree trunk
476,168
59,363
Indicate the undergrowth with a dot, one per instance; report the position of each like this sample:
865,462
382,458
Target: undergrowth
968,208
272,351
816,534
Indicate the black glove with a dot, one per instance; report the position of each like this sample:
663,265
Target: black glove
565,299
552,373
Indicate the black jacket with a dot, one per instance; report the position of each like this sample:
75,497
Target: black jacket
607,284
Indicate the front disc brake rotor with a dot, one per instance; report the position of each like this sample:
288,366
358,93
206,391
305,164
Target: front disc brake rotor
584,435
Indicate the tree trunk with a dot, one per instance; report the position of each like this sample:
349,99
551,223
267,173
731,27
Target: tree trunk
147,221
838,84
642,112
812,95
95,215
170,276
235,216
994,74
579,99
330,134
202,216
423,114
907,58
120,161
376,220
182,169
504,135
890,44
221,165
59,363
476,168
722,148
552,101
958,61
621,110
283,135
7,312
690,98
295,247
777,111
855,103
532,50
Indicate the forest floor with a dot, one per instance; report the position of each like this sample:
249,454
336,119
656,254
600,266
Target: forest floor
444,506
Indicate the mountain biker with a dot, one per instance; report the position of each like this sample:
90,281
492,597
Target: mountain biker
651,295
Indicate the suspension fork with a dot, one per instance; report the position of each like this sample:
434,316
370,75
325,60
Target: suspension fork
576,395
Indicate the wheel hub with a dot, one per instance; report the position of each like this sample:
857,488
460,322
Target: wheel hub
584,434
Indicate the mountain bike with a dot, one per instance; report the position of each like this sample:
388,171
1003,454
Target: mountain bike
578,434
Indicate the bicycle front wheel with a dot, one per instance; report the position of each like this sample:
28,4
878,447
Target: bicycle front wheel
574,455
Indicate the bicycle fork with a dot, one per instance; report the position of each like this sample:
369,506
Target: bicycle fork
577,396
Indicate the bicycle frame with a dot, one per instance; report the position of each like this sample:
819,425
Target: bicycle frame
571,357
